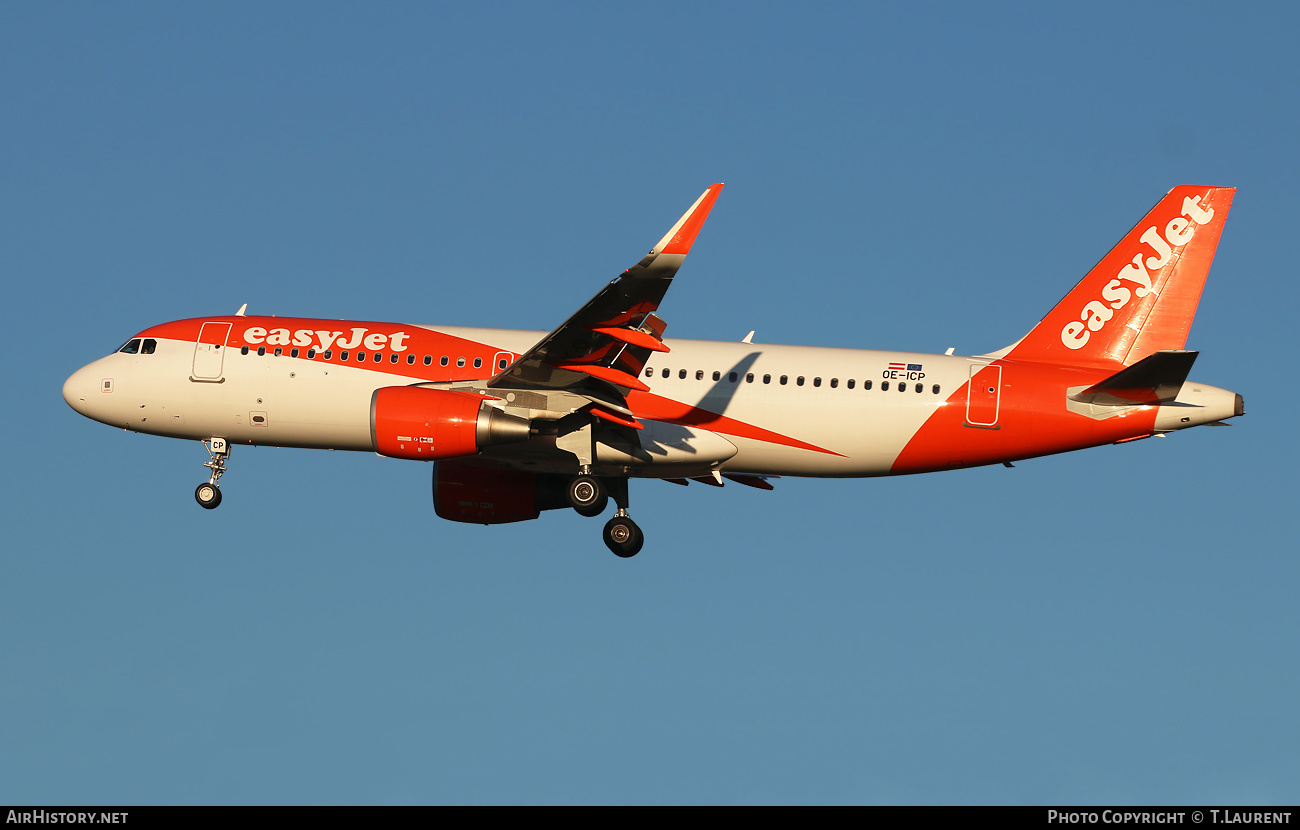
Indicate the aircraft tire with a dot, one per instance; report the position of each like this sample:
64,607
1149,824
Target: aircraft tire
623,537
585,492
208,495
591,511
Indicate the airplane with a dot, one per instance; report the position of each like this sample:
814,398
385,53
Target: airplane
516,425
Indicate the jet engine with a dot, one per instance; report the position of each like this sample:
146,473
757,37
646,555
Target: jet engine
424,424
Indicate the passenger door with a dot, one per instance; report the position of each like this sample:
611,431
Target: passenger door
209,352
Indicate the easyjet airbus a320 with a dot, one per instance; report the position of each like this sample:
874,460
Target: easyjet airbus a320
516,425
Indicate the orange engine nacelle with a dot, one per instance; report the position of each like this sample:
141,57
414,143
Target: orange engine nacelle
424,424
467,492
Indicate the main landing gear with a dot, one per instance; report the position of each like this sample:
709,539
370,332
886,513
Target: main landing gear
589,496
622,535
208,494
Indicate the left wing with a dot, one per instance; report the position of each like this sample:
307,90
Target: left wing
606,344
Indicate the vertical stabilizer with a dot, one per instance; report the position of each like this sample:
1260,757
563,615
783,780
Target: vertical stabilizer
1142,296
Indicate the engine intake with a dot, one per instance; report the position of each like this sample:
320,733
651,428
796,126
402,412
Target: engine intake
425,424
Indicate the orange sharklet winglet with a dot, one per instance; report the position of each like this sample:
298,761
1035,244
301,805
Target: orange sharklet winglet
682,236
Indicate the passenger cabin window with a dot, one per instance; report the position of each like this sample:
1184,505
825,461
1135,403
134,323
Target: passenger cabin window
919,387
717,376
667,372
732,377
835,382
681,374
428,360
311,354
767,378
460,362
243,350
361,357
261,350
785,379
478,363
343,355
649,372
328,354
443,361
935,389
849,383
798,381
131,347
293,352
817,381
699,374
866,384
502,363
410,359
749,378
379,357
902,387
884,386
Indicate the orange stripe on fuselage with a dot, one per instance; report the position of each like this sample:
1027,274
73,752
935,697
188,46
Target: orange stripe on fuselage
648,405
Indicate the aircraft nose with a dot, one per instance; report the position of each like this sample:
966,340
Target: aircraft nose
77,389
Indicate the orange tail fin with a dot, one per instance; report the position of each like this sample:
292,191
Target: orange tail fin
1142,296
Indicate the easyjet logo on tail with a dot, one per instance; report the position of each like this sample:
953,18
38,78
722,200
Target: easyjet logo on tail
1137,273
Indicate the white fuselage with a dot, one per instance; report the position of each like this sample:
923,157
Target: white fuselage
786,410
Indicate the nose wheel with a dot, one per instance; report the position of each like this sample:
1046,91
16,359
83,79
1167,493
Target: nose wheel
208,494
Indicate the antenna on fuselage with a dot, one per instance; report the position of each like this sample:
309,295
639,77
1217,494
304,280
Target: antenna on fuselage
749,338
241,311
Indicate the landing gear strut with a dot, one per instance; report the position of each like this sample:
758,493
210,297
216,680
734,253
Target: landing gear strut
208,494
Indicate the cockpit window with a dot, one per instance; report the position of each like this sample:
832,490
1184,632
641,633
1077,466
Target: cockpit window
132,347
149,346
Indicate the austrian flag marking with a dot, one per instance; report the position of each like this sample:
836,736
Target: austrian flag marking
903,371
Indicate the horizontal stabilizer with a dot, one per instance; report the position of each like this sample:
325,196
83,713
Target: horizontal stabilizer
1156,378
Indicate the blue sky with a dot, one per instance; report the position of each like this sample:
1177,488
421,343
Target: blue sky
1115,625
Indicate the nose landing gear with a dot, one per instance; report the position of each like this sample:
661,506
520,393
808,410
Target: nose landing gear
208,494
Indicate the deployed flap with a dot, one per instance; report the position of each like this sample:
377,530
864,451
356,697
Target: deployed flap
1157,378
608,341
